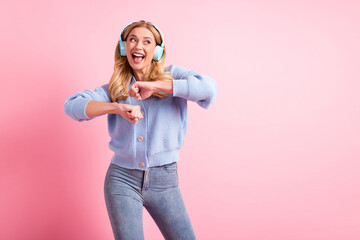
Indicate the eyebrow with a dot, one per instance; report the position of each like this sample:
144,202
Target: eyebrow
132,35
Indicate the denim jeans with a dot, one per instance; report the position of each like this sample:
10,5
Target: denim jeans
127,191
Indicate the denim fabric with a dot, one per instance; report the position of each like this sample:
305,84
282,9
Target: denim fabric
127,191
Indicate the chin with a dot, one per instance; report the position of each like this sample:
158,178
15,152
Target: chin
137,67
141,66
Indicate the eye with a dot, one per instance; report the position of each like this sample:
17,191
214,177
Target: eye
147,42
132,40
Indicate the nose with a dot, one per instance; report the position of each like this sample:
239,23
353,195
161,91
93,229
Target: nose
138,45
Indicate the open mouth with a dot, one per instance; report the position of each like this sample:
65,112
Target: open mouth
138,57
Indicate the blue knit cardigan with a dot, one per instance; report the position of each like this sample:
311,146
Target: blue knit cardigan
157,138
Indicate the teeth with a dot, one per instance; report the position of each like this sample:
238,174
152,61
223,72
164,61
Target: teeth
138,55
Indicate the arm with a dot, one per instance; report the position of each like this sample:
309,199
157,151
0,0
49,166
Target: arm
75,105
88,104
143,90
187,84
193,86
131,113
96,108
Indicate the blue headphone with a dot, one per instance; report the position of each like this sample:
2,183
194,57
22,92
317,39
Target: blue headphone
159,50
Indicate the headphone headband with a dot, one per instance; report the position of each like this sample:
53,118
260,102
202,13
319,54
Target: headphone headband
159,49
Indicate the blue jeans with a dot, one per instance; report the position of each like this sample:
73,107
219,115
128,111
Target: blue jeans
127,191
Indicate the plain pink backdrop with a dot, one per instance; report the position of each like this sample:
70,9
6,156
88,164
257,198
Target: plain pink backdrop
276,157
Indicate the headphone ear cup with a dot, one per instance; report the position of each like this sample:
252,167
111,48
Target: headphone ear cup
122,48
158,53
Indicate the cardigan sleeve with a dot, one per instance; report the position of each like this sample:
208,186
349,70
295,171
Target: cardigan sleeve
193,86
75,105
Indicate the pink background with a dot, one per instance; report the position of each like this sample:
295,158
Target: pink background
276,157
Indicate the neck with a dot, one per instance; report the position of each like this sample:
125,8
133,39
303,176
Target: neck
140,75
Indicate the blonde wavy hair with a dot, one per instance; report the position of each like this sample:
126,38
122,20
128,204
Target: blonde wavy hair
121,78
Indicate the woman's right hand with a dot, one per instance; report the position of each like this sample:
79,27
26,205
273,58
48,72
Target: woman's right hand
132,113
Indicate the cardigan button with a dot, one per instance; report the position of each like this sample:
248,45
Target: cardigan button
140,139
142,164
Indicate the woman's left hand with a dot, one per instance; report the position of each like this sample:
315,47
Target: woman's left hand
141,90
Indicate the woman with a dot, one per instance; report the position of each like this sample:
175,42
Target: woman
146,105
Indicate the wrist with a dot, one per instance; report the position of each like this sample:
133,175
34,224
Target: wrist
163,87
116,108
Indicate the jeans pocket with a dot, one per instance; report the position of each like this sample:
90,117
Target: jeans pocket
170,168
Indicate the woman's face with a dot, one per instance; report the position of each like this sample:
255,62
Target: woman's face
139,48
